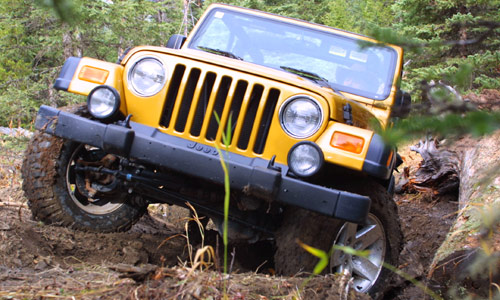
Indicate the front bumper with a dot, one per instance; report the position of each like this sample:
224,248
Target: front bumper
254,176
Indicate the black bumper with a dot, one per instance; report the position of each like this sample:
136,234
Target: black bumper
251,175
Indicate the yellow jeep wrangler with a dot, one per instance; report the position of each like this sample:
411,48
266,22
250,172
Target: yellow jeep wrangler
296,101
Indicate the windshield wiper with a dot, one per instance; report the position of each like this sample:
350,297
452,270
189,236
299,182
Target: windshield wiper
312,76
220,52
306,74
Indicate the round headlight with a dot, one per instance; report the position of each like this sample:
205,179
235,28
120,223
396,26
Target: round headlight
301,116
147,77
103,102
305,159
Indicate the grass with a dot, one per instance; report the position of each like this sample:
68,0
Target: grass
226,139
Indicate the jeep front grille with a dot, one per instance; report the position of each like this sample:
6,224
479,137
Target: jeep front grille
194,97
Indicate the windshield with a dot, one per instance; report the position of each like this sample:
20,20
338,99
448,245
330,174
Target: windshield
340,60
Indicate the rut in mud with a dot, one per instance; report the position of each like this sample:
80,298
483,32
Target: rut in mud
38,260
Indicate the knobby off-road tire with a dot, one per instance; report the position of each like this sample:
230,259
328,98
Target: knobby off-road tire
51,196
322,232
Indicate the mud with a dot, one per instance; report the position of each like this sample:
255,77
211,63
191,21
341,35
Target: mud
39,261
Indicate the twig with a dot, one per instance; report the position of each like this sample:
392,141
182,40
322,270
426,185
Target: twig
259,266
19,211
233,255
13,204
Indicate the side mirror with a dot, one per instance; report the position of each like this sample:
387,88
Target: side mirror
176,41
402,105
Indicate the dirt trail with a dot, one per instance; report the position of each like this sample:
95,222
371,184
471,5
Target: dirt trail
38,261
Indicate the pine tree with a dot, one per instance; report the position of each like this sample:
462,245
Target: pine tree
441,21
37,37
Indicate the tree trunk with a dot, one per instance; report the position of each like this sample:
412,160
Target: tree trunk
468,261
70,47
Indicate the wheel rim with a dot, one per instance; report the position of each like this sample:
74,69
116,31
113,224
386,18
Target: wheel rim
90,205
369,237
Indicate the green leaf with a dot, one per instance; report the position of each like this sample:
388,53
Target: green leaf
314,251
322,255
351,251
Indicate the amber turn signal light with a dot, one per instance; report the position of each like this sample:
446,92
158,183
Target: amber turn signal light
347,142
93,74
389,159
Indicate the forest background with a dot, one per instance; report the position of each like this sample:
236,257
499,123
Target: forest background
35,40
453,41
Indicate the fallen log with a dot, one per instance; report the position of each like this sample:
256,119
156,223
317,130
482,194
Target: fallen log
468,261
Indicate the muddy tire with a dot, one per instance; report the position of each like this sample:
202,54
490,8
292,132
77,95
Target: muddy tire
49,184
322,232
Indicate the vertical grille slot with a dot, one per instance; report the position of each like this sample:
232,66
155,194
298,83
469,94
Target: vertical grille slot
235,109
206,91
220,101
187,99
265,121
173,90
251,112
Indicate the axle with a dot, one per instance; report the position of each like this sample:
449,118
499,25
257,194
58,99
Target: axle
153,185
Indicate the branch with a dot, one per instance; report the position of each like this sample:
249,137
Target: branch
488,24
387,36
